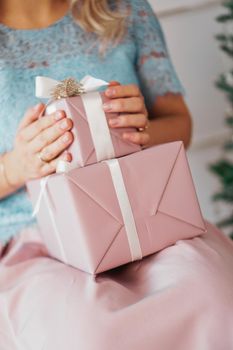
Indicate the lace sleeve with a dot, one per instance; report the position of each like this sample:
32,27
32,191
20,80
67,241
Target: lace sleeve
155,70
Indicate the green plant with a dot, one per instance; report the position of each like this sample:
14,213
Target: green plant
223,169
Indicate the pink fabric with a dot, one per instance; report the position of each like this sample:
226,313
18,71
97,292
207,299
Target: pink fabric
82,148
100,243
178,299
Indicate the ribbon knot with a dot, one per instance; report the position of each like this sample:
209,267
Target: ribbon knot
67,88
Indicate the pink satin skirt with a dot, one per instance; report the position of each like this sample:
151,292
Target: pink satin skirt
178,299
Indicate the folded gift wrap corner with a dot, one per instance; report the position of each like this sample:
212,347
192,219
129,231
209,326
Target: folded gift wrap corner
95,231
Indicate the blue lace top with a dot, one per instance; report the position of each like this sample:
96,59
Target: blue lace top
62,50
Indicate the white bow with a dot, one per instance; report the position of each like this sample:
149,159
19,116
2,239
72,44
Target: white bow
45,85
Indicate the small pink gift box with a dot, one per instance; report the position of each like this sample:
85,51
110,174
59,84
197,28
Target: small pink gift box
94,141
111,213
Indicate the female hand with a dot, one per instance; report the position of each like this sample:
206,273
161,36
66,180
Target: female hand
129,102
39,144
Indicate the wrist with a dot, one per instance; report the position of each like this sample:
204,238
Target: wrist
11,172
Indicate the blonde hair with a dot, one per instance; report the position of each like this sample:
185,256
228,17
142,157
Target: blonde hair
97,17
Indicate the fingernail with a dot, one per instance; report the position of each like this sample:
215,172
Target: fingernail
46,169
110,92
66,138
114,122
64,125
37,107
58,115
67,157
107,106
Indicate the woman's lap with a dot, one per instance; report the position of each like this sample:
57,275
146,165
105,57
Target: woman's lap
180,298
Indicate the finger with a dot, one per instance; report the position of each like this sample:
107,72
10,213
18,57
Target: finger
54,150
128,105
51,134
31,115
140,138
123,91
114,83
34,129
66,156
131,120
50,168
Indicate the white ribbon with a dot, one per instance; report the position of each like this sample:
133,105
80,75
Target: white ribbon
45,85
64,167
44,194
92,102
99,129
126,210
43,185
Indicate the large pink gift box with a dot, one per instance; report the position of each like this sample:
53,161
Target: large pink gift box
83,148
111,213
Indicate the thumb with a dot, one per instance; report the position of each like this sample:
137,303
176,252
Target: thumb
114,83
31,115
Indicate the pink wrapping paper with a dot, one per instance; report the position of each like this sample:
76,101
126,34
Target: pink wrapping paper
82,149
89,220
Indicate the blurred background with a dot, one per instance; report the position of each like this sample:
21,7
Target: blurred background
190,28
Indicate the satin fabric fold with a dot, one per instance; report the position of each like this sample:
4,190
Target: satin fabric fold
180,298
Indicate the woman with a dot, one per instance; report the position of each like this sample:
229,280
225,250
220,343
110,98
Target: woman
180,298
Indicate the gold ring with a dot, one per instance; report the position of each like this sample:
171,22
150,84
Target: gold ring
39,155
